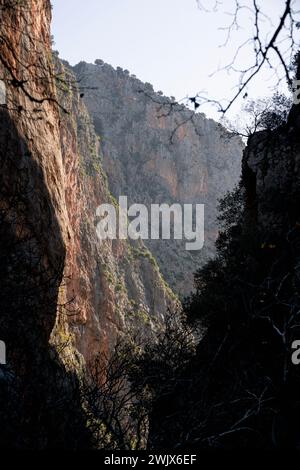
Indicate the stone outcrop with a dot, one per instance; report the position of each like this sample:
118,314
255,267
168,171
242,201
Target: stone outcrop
116,284
158,151
51,171
271,166
33,207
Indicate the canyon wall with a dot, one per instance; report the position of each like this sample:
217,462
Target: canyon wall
157,151
34,218
65,296
116,284
53,153
35,385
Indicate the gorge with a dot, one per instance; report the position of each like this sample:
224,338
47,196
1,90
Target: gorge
98,352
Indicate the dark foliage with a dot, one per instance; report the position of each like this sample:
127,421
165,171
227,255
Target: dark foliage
241,389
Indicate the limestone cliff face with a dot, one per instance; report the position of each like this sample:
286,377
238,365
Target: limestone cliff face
33,238
157,151
116,284
34,218
83,293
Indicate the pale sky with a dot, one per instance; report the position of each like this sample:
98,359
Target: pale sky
169,43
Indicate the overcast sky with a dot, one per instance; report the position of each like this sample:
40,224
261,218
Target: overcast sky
169,43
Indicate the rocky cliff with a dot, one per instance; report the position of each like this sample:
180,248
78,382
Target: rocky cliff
34,233
108,285
33,207
116,284
157,151
65,297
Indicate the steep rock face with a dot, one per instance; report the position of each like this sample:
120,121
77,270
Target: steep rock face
33,209
116,284
157,151
65,297
83,293
270,173
36,385
271,166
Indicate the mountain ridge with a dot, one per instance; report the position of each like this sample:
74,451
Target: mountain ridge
155,150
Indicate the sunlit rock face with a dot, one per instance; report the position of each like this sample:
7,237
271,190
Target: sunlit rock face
156,151
115,285
57,165
51,184
33,212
